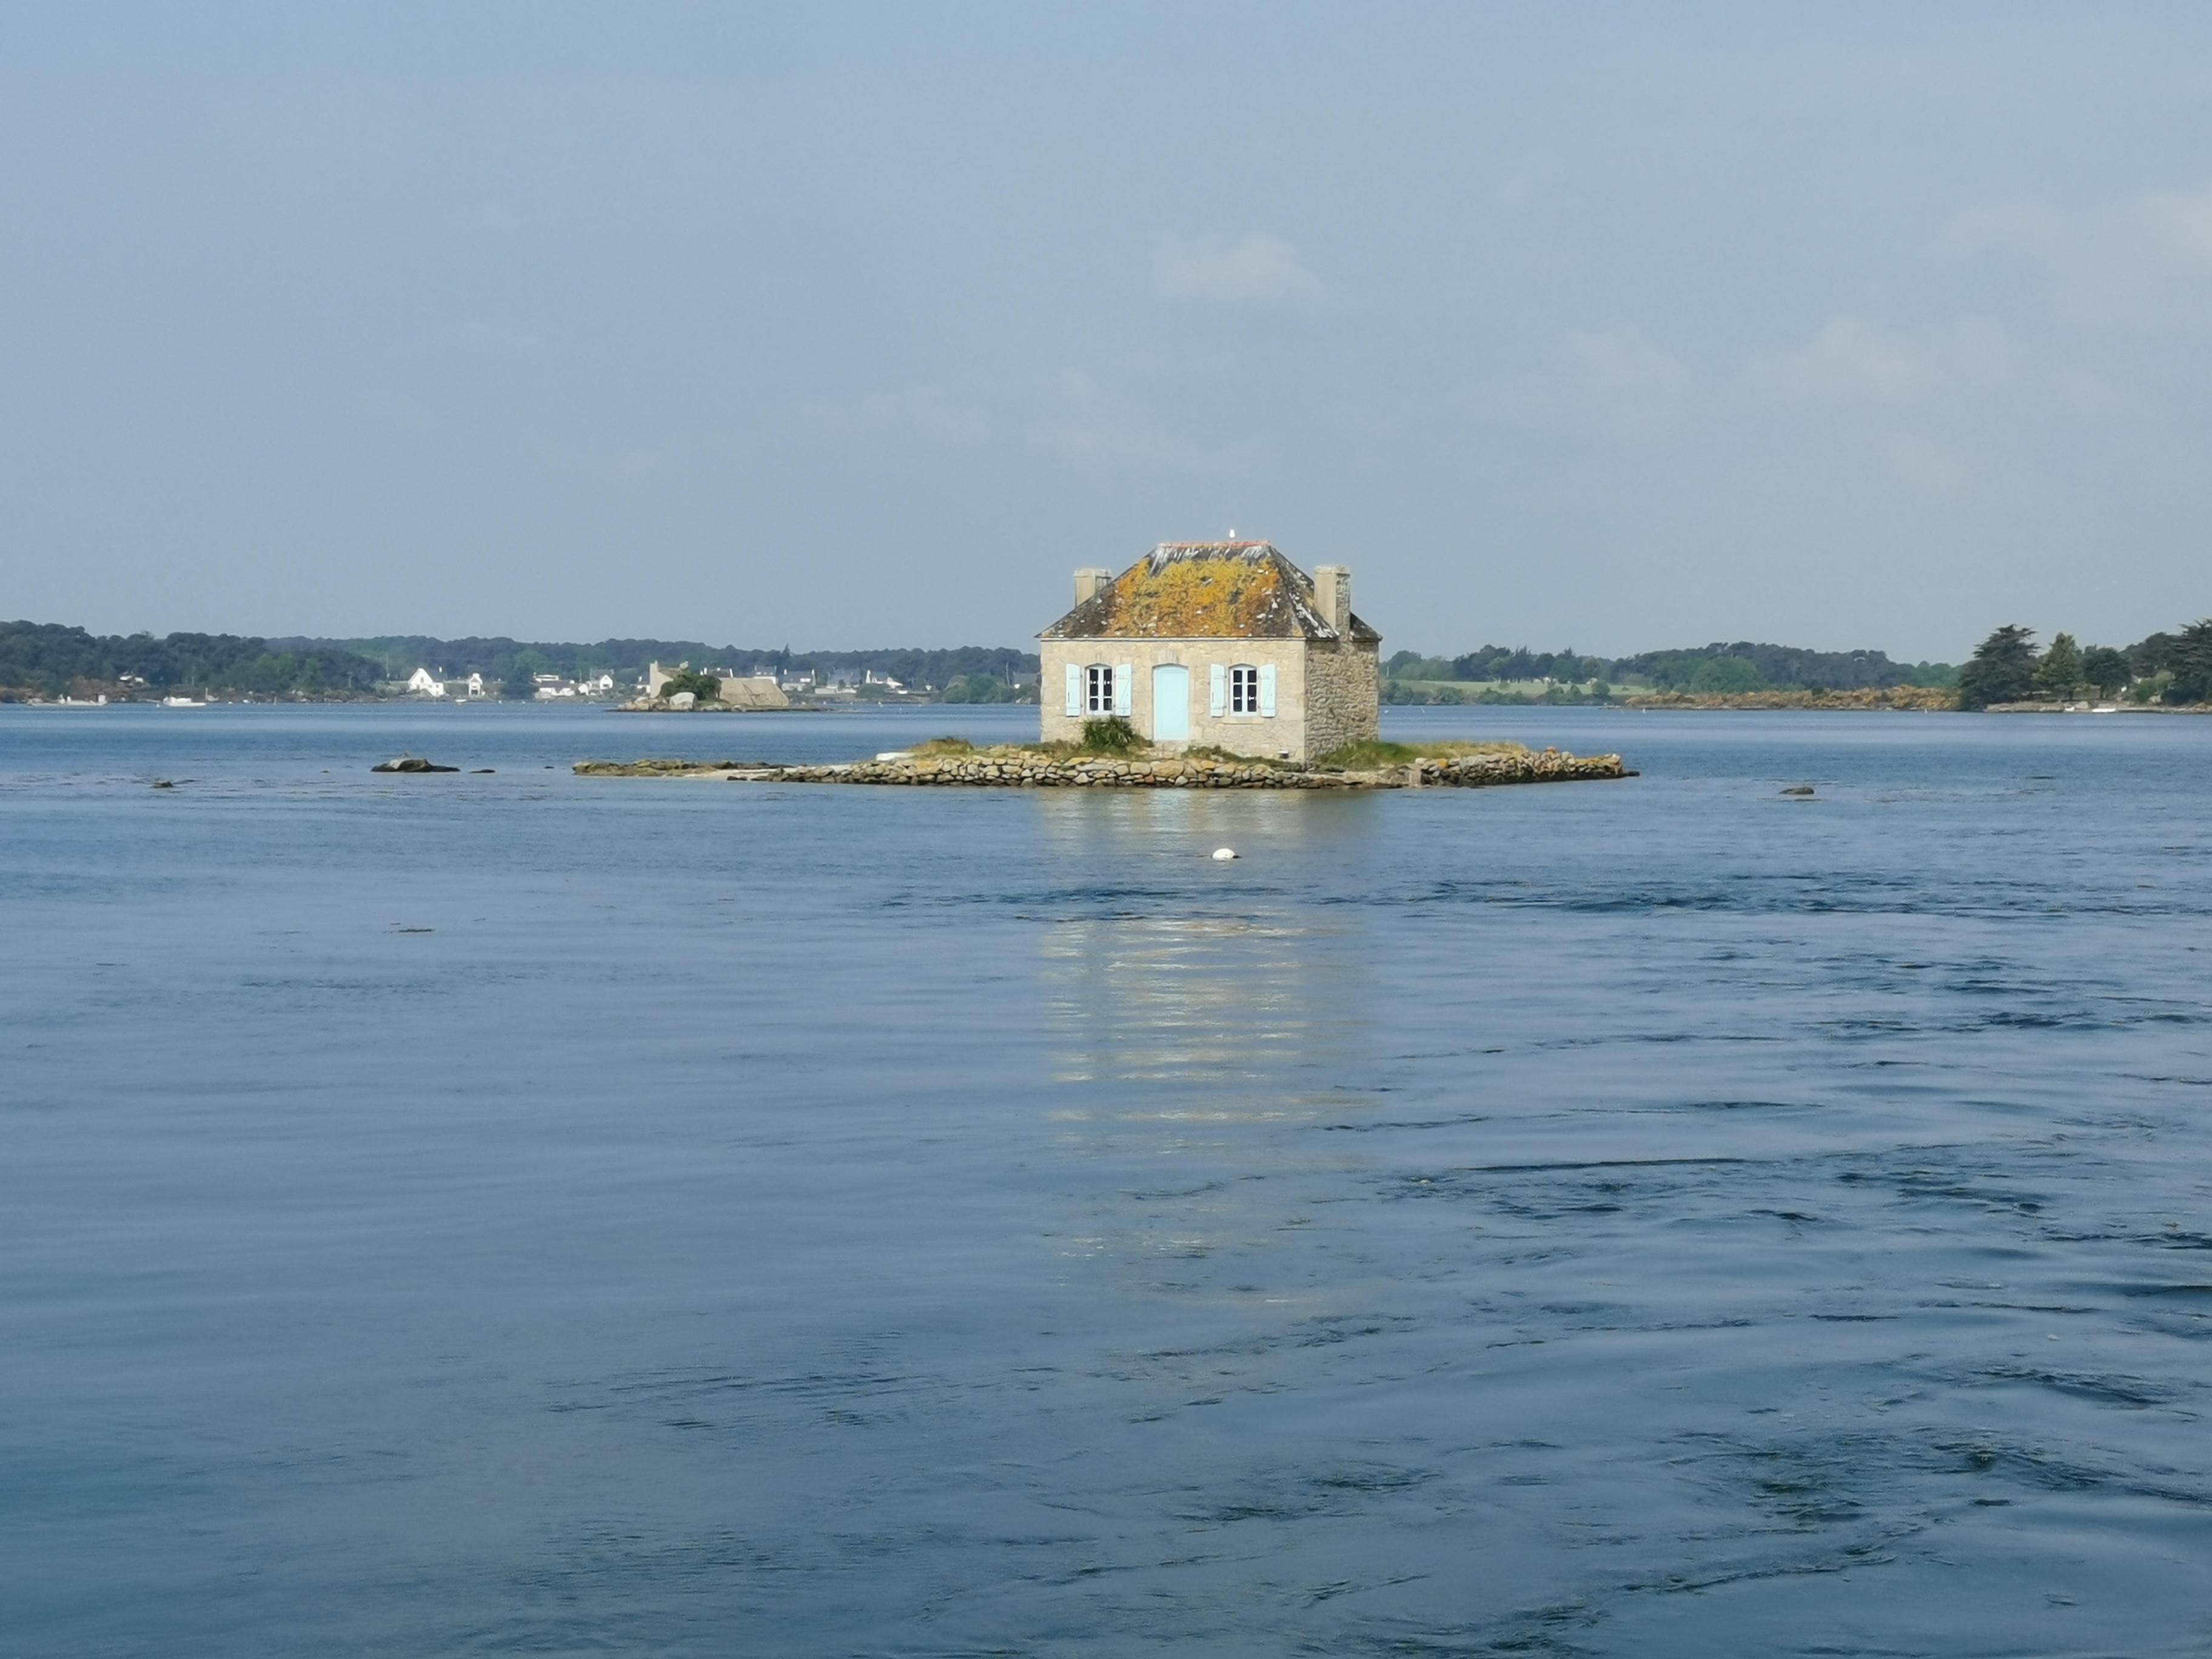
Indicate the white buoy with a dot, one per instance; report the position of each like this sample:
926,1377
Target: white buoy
1225,853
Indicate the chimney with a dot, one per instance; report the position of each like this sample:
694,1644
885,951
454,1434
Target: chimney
1332,595
1089,582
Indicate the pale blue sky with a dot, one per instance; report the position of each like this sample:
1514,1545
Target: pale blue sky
1615,327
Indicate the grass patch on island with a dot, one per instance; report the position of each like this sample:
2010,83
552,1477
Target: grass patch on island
1111,735
1214,751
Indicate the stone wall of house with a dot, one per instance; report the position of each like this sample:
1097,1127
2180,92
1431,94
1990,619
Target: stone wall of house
1285,734
1343,694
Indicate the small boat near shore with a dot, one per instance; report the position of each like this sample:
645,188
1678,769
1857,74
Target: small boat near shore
184,702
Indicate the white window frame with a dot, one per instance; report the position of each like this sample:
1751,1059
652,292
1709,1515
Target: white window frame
1099,688
1243,689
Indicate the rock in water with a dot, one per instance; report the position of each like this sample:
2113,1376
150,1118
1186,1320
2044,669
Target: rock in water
410,763
1222,854
1799,789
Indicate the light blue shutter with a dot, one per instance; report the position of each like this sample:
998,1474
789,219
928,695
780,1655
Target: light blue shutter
1220,699
1125,674
1268,689
1074,689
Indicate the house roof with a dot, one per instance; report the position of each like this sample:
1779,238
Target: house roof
1205,591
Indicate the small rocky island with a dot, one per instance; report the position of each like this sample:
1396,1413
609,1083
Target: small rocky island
951,762
1163,678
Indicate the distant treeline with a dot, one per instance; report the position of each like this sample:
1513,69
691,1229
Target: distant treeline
501,658
1783,667
51,659
2165,668
1744,665
48,659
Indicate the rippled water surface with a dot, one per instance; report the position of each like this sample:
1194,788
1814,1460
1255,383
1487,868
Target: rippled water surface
518,1213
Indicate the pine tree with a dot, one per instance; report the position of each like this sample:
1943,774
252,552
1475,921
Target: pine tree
2059,674
2191,661
2104,670
2001,670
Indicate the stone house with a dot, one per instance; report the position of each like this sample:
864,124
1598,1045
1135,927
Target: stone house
1225,644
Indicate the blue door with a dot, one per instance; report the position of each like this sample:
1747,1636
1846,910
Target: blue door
1170,703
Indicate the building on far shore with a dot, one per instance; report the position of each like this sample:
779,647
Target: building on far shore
1226,644
738,690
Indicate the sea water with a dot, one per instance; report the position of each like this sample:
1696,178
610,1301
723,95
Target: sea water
510,1212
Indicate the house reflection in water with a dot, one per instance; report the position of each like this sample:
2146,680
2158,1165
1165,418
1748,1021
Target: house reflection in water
1223,1013
1203,1021
1201,992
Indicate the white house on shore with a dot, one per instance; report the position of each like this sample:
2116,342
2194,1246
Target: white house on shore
1226,644
423,684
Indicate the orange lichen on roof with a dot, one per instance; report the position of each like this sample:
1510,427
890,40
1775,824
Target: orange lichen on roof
1196,599
1200,591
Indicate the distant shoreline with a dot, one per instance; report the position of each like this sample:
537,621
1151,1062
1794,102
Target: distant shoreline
1817,702
1686,702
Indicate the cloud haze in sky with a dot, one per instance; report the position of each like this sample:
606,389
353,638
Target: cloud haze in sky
1616,327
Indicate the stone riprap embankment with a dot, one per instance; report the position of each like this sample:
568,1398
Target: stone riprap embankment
1037,771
